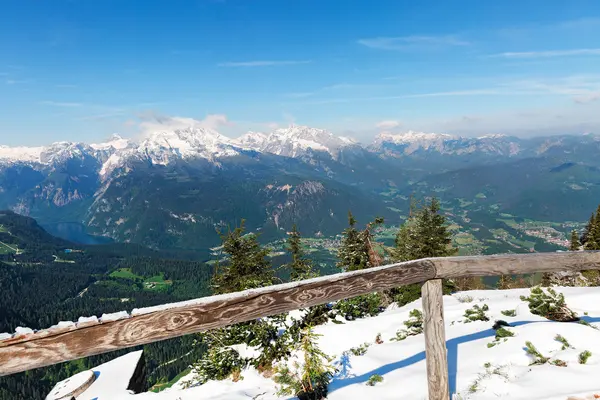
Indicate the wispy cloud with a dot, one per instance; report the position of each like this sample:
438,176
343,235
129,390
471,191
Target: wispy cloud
413,42
549,53
153,122
587,98
335,87
389,124
17,81
263,63
60,104
472,92
99,117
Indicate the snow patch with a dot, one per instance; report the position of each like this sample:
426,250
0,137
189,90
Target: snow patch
114,316
85,320
63,324
23,331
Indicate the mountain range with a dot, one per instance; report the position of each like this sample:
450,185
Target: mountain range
177,188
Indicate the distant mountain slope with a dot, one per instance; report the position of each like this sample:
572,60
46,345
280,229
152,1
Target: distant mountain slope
176,187
547,189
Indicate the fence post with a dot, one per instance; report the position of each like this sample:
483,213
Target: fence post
435,340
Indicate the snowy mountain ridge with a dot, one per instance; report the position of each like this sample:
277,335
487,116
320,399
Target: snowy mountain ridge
295,141
162,147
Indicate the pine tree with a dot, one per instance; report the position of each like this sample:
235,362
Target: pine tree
590,233
357,250
574,241
247,265
300,267
307,379
424,234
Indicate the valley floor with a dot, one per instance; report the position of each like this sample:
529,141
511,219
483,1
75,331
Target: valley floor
477,371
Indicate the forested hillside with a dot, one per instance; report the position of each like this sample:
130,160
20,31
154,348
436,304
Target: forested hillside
44,279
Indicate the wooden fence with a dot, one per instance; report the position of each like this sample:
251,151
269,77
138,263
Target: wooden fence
55,345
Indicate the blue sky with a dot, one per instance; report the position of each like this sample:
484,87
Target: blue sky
83,69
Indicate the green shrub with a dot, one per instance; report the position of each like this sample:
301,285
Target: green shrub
407,294
550,305
374,379
583,356
414,326
509,313
476,313
360,350
501,333
368,305
218,363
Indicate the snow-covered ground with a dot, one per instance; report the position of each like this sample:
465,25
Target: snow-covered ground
476,370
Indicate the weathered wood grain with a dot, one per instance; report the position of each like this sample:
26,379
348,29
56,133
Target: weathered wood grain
47,347
435,340
63,344
507,264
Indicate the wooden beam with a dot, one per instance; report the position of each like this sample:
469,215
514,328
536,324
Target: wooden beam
55,346
513,264
52,346
435,340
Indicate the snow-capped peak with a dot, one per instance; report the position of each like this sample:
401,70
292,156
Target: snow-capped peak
200,142
21,153
412,137
493,136
115,142
253,140
297,139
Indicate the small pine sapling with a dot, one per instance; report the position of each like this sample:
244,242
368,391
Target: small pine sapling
501,333
564,341
414,326
476,313
374,379
550,305
360,350
583,356
509,313
308,380
538,358
558,363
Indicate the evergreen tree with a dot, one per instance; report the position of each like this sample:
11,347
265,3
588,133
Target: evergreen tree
591,234
586,231
424,234
574,241
300,267
357,250
247,266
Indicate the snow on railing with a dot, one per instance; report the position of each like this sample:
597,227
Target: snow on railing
26,349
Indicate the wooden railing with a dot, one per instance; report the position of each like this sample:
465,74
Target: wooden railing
52,346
